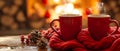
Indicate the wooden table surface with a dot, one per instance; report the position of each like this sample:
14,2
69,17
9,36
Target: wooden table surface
9,43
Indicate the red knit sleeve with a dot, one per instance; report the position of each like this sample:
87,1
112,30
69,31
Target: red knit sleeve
87,40
57,43
113,29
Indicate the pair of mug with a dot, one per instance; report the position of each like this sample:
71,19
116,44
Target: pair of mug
71,25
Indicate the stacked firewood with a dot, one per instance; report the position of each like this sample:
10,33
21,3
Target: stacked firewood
113,8
12,14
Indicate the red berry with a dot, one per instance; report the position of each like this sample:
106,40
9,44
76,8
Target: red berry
22,38
27,41
29,36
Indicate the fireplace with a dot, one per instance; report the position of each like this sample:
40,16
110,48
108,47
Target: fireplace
19,16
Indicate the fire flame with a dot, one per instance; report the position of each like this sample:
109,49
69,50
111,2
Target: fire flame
65,9
70,9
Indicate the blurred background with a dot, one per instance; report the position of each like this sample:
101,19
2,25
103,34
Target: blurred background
22,16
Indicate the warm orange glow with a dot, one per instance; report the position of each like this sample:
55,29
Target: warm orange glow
95,8
77,11
34,7
30,10
56,1
93,4
68,8
59,9
72,1
64,9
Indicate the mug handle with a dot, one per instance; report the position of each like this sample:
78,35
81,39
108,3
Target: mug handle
53,27
117,24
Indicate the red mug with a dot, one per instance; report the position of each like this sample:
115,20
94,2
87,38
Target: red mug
99,26
70,26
